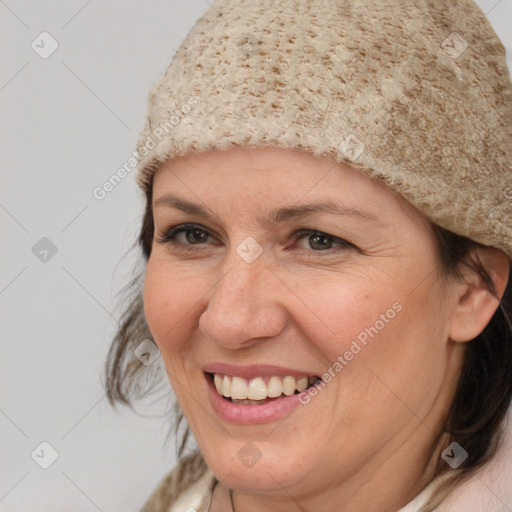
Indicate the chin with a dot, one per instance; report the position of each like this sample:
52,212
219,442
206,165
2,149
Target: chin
243,466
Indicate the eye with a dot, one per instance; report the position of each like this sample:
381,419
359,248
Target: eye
186,234
319,241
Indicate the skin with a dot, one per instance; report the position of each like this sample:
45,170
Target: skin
372,438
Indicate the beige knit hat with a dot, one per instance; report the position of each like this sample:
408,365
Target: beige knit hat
413,92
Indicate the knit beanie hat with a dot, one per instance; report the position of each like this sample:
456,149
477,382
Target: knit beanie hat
415,93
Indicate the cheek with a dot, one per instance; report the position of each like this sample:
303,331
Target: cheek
346,315
368,330
401,366
169,306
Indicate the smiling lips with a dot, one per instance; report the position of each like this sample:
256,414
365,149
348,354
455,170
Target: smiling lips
255,394
259,390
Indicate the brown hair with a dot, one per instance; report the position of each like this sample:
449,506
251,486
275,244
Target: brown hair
482,397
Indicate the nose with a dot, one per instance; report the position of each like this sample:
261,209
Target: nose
244,306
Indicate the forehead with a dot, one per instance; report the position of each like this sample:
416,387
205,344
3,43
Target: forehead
260,178
264,167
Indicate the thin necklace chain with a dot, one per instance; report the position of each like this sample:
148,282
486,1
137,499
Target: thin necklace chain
215,489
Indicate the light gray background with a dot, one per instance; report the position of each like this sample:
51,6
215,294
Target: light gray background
68,122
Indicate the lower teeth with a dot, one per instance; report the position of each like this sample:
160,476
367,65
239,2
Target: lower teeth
255,402
248,402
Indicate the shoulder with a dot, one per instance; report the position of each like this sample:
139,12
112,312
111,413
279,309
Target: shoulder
187,487
433,494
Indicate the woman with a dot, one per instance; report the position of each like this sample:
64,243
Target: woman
328,239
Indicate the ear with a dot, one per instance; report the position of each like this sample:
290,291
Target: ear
474,303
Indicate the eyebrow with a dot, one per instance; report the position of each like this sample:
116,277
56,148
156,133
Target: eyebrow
276,216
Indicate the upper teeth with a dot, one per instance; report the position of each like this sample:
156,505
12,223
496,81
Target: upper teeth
256,388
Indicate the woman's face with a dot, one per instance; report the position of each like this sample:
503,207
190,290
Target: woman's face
286,265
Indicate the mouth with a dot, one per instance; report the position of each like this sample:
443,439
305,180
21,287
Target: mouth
259,390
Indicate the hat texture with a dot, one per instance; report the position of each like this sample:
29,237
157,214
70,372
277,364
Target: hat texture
416,94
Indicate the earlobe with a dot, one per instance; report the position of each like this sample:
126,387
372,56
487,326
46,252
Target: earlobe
474,302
